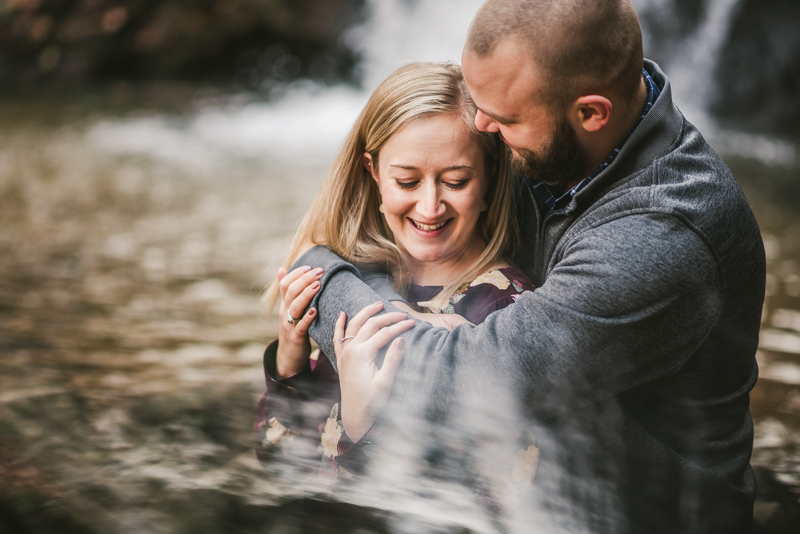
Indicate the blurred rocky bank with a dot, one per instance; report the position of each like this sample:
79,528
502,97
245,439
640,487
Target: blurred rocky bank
239,44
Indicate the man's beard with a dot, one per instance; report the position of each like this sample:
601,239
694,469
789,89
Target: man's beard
562,161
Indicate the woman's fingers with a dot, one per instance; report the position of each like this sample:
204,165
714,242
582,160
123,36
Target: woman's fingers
299,284
301,329
374,324
338,333
293,283
385,377
288,278
355,324
388,333
300,302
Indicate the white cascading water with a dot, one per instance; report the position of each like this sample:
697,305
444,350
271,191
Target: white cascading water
304,128
691,70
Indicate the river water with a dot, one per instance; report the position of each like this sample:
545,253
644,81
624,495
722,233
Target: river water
137,228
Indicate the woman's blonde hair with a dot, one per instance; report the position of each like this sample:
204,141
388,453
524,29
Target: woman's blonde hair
345,214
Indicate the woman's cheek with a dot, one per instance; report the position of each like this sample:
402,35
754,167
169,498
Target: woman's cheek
469,205
395,210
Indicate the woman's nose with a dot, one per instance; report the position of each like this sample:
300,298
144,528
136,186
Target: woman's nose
430,206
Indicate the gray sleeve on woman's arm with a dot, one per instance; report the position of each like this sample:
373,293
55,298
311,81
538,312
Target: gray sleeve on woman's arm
382,283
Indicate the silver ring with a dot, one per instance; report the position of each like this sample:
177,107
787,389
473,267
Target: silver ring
343,339
290,319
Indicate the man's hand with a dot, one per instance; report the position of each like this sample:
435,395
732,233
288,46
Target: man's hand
443,320
365,388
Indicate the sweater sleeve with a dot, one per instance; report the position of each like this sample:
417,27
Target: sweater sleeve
604,321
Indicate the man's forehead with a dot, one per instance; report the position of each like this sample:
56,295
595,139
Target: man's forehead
503,80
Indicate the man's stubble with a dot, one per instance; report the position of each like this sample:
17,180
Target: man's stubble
560,163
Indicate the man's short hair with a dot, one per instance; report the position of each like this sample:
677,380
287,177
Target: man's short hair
581,46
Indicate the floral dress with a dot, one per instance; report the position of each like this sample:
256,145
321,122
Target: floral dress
298,417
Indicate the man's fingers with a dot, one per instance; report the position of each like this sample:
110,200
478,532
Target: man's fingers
301,329
374,324
300,302
338,332
388,333
355,324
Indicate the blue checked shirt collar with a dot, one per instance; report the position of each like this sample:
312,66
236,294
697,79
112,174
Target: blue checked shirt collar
553,203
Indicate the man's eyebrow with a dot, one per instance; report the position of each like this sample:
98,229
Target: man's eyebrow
452,168
496,117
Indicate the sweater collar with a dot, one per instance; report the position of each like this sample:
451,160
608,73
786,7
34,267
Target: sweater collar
546,194
655,136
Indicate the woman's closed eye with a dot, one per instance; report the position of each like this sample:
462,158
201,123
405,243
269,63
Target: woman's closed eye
407,185
456,185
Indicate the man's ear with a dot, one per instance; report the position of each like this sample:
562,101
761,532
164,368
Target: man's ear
368,161
594,112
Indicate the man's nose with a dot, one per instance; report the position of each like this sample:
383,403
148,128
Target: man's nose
485,123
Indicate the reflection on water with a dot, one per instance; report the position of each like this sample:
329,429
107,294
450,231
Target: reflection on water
775,401
131,335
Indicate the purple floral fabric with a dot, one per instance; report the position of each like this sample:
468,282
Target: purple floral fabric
475,300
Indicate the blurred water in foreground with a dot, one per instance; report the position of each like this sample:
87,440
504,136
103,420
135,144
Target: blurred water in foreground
133,247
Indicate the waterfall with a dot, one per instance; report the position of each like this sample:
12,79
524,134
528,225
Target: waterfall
691,62
401,31
694,60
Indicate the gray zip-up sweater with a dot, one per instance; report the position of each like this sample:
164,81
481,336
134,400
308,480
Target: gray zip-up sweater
636,354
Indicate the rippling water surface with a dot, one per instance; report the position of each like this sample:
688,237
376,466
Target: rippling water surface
133,248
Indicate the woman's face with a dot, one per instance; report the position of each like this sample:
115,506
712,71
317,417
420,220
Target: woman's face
432,182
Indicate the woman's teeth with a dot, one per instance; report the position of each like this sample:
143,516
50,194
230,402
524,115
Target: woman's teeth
427,227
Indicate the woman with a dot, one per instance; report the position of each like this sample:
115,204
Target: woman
418,190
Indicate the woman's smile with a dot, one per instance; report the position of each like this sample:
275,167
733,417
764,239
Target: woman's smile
429,230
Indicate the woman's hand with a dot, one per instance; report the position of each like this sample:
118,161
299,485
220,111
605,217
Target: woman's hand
294,347
365,388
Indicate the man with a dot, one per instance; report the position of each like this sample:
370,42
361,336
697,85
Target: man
635,355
